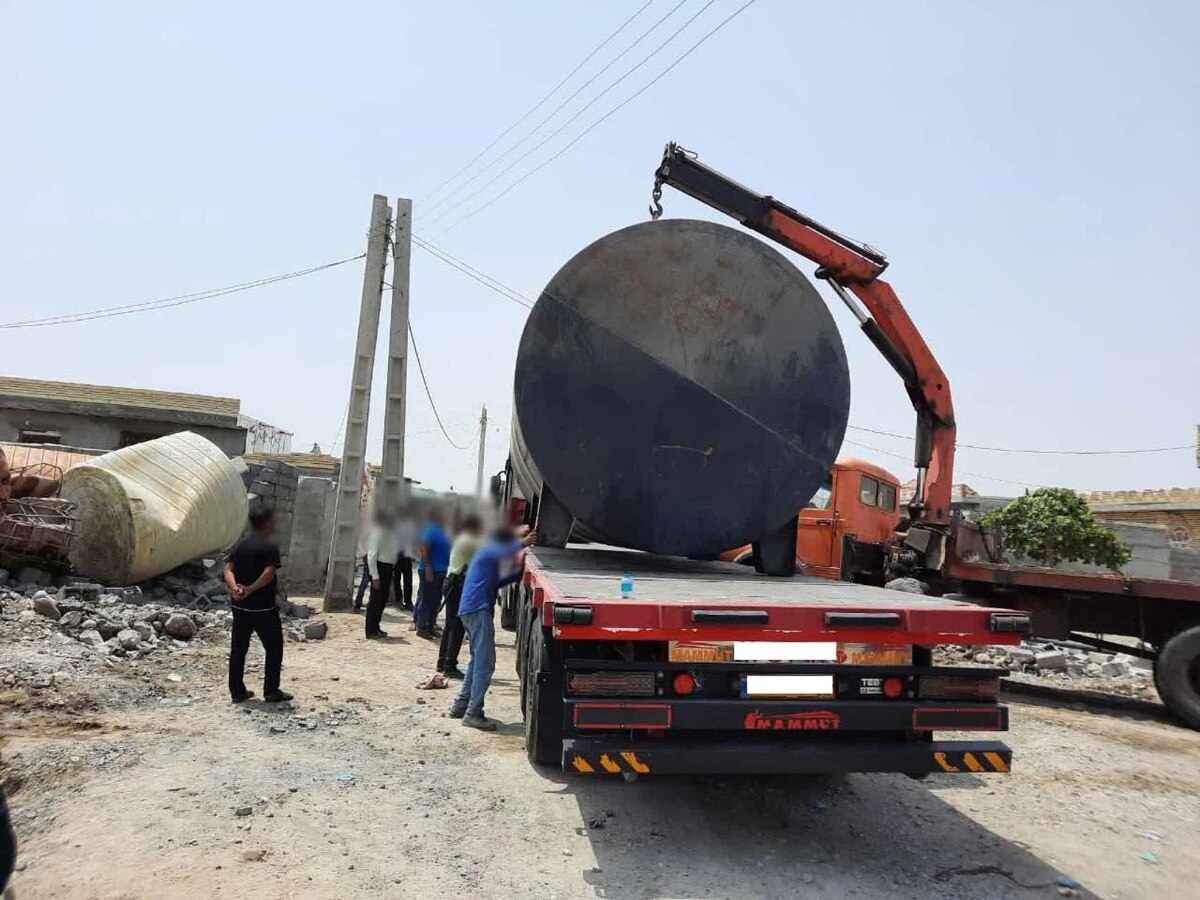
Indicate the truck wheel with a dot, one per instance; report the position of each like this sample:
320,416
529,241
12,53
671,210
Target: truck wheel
1177,675
543,703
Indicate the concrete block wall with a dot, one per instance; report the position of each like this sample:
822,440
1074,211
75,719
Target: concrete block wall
1148,543
1185,564
273,486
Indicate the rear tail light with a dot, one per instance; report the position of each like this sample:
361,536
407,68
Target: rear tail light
611,684
684,683
893,688
956,687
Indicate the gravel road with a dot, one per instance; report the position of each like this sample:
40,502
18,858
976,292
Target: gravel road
125,789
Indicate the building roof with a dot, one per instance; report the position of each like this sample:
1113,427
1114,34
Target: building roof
22,391
322,462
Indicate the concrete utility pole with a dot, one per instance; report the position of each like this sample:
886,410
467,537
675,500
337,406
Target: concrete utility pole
391,485
344,549
482,447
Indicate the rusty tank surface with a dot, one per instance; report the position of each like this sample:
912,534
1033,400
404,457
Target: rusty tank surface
680,388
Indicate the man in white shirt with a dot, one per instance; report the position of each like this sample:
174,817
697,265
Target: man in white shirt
382,550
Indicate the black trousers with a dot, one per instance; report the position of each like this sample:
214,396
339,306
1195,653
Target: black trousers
452,634
405,566
8,845
270,632
379,597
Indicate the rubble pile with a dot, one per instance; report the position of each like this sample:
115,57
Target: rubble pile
1051,663
164,614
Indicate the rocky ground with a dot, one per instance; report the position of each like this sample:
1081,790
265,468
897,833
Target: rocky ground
130,775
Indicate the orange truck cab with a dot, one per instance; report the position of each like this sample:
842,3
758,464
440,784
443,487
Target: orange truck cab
844,527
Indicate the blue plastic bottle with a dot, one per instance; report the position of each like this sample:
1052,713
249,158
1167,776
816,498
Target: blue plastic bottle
627,585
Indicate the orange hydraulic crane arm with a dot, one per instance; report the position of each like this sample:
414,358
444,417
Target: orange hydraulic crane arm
852,270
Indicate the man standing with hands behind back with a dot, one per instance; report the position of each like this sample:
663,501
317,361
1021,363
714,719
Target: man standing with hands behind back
250,574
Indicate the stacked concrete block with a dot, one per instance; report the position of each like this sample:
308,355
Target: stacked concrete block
272,485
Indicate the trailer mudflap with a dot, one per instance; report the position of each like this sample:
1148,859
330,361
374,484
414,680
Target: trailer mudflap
615,756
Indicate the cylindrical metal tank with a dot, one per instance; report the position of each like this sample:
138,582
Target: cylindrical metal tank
680,387
148,508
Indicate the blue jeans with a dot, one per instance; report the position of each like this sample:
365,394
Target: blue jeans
429,600
481,633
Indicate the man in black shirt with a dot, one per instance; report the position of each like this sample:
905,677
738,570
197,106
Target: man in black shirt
250,574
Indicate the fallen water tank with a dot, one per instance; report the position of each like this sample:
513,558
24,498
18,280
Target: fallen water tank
680,387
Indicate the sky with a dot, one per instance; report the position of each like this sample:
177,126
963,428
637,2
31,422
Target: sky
1028,167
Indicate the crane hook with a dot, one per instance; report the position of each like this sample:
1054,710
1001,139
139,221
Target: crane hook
656,207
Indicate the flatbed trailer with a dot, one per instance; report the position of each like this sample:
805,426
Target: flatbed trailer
1163,614
710,667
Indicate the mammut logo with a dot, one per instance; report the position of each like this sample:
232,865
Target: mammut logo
820,720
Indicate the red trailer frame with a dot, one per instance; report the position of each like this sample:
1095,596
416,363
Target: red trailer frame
602,693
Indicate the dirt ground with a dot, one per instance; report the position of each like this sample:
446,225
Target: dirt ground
129,787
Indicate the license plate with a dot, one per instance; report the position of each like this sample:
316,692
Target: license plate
849,654
787,686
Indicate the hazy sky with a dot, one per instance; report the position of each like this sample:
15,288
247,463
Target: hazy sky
1029,167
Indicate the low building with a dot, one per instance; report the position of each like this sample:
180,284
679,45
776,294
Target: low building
1175,509
99,417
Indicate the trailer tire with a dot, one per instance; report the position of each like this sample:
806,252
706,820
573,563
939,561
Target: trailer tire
1177,675
543,702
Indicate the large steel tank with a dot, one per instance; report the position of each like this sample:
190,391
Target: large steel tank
680,387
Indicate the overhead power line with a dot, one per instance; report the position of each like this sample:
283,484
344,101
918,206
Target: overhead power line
540,103
554,112
908,437
428,393
177,300
561,128
471,272
575,140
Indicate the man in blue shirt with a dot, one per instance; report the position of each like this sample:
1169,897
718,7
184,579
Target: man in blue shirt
432,562
476,610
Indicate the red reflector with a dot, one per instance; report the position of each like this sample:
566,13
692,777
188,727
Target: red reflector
986,718
648,716
683,683
892,688
952,687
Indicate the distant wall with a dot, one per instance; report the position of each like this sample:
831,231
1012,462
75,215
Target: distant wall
96,432
312,532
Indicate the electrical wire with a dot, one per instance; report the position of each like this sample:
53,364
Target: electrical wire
177,300
517,297
471,272
907,437
428,393
540,103
516,162
601,120
538,127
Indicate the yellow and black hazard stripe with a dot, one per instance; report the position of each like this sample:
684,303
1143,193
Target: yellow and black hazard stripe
613,763
973,761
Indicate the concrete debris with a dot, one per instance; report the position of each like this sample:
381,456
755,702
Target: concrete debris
315,631
180,625
44,605
1047,662
1051,661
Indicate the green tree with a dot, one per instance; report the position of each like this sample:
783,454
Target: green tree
1052,525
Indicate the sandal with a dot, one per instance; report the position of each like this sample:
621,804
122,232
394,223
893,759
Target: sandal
434,682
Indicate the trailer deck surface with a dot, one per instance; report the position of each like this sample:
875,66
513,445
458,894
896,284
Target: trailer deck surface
591,572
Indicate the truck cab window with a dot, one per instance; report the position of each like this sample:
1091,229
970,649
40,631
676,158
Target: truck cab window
822,498
887,496
868,491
